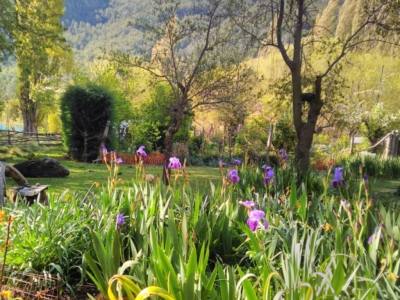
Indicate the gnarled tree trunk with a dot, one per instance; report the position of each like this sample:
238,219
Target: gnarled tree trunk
177,116
305,129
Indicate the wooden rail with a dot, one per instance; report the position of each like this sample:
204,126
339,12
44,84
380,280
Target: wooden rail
12,137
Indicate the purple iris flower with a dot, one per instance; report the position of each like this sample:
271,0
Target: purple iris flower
338,179
247,203
233,176
237,162
283,154
257,220
269,174
140,152
174,163
120,220
119,160
257,214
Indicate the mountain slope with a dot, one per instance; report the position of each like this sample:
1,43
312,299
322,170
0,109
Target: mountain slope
95,26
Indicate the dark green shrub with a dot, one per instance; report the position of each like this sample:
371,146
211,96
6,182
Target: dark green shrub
85,111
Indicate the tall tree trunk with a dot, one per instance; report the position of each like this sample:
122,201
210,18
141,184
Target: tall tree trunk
305,129
177,116
28,107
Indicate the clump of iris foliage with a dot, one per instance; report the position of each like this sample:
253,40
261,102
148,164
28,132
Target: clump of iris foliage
374,166
317,241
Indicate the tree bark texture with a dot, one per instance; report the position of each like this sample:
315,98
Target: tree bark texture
28,107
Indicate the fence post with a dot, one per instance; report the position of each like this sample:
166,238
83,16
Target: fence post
9,136
386,151
395,144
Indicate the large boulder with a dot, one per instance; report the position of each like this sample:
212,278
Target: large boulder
45,167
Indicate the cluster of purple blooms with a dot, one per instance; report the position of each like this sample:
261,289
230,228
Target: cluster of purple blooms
141,152
256,218
233,176
120,221
174,163
269,174
338,178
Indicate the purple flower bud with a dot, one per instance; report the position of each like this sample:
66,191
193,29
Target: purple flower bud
371,239
174,163
140,152
119,160
233,176
266,225
338,179
120,220
269,174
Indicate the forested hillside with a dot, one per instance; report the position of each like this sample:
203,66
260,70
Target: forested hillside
97,25
94,26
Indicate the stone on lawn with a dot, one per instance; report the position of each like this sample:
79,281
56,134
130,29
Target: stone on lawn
45,167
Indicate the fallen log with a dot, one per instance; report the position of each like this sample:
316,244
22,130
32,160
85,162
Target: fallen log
24,189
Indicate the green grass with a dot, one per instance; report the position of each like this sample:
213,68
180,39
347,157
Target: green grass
386,190
83,175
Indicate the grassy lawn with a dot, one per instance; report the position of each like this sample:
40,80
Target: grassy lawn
83,175
386,190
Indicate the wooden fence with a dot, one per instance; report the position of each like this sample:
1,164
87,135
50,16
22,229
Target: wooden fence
154,158
12,137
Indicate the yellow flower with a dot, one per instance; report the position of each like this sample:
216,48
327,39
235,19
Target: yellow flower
2,215
6,294
327,227
392,277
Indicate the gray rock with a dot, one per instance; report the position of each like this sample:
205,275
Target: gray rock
45,167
